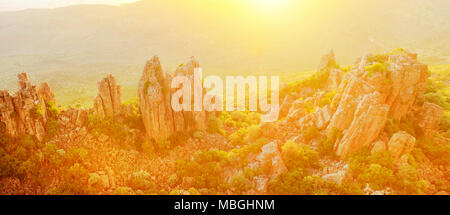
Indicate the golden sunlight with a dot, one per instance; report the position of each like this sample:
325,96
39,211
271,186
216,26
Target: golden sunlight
271,4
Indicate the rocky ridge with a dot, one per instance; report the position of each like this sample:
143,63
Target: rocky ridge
376,89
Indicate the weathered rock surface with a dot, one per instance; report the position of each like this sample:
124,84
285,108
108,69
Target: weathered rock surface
109,99
368,121
377,88
25,111
378,146
319,118
271,156
369,98
154,91
401,143
46,93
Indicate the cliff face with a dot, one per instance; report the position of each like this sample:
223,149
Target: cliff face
25,111
109,99
376,89
155,94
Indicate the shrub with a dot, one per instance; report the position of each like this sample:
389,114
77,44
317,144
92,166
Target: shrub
299,156
377,176
407,181
37,112
240,184
107,126
438,153
179,138
326,146
215,126
376,67
254,132
239,137
298,182
123,191
438,99
52,110
238,116
148,147
141,180
51,129
28,142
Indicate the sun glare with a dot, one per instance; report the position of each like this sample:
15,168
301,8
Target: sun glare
271,5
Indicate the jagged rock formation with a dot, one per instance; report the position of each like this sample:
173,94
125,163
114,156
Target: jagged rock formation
109,99
47,93
159,118
327,61
367,123
378,88
371,96
328,64
25,112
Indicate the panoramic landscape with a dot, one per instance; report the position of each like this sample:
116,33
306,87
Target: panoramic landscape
87,98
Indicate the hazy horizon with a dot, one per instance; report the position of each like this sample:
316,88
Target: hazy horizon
7,5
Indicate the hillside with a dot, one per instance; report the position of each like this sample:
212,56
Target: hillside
228,36
381,126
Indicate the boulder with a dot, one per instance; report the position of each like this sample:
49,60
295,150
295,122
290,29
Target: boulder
337,177
271,156
401,143
378,146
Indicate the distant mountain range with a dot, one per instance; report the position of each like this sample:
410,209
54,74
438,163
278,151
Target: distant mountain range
225,36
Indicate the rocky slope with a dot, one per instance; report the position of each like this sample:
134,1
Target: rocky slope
367,123
376,89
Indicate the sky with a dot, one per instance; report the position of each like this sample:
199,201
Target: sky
11,5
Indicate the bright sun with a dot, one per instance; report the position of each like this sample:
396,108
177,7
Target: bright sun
270,4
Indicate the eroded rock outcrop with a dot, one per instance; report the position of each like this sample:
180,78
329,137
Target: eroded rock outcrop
378,87
368,121
25,111
155,94
401,143
109,99
270,158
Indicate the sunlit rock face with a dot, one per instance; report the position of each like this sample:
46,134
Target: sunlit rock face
25,111
401,143
378,87
155,94
109,99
